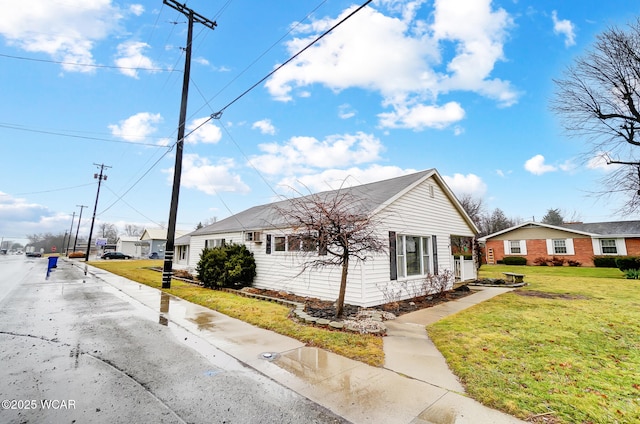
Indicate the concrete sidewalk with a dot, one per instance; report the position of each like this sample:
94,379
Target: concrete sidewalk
414,386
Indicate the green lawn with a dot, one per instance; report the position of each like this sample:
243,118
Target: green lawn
566,347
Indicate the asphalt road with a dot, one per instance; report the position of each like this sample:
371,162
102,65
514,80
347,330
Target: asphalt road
75,350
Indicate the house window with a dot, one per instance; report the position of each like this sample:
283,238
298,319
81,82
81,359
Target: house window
559,247
608,246
279,243
412,255
514,247
211,243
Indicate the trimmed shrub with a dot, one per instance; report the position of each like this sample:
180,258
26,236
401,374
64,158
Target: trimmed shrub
625,263
514,260
573,263
557,261
541,261
231,266
605,261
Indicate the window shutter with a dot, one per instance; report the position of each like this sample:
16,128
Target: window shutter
507,247
570,249
523,247
393,265
322,243
268,244
550,247
435,254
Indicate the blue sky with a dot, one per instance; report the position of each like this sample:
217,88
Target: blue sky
462,86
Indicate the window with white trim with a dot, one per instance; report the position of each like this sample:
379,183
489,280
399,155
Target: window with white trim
559,246
211,243
514,247
608,246
413,255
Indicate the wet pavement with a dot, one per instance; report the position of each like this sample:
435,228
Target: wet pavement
79,349
415,386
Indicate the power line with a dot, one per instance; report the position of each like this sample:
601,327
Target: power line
88,65
20,128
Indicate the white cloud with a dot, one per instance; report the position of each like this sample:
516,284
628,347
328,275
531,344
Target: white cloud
466,184
345,111
300,154
137,127
136,9
67,31
130,57
564,27
200,174
392,41
421,116
206,132
19,217
536,165
333,179
265,126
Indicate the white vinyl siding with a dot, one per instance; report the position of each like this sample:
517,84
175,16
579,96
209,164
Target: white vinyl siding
416,212
560,247
515,247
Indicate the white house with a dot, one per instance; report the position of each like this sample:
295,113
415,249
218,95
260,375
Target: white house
417,213
154,240
127,245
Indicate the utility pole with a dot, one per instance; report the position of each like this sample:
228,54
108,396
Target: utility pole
80,219
99,177
70,232
167,270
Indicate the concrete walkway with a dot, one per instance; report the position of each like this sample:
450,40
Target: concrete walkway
414,387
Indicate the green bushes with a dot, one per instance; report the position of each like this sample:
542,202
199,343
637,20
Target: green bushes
605,261
231,266
625,263
514,260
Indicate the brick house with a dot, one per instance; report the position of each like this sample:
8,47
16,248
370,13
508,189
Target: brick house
578,242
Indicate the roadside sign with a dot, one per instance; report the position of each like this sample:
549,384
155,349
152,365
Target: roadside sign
53,248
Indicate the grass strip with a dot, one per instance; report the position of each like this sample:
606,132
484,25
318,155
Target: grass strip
268,315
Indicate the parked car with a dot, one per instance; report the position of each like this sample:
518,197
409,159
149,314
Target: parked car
115,255
154,255
33,255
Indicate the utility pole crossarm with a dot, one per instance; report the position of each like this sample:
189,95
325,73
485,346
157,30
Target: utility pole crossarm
182,8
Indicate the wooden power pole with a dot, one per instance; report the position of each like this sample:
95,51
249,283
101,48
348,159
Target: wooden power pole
167,270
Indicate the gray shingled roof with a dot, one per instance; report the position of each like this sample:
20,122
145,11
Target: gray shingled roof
621,228
371,196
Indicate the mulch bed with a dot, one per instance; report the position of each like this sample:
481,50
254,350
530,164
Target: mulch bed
326,309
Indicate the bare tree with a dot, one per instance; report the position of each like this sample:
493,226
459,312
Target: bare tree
337,226
109,231
473,207
133,230
496,221
599,98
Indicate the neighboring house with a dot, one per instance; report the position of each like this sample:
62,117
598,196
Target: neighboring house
578,242
418,214
155,240
127,245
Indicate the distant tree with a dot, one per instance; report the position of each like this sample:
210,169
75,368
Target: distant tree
496,221
553,217
474,207
599,100
46,241
133,230
199,226
108,231
340,231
